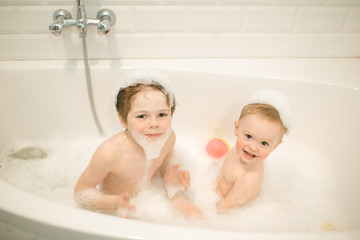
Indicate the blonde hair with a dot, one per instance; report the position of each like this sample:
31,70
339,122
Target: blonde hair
265,111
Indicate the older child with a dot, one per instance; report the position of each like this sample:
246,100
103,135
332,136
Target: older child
145,105
259,130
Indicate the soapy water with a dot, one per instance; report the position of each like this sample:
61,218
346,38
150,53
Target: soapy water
299,191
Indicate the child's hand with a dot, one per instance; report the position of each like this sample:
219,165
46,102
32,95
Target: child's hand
176,178
123,205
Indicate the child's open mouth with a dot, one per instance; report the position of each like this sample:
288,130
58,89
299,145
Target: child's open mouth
249,155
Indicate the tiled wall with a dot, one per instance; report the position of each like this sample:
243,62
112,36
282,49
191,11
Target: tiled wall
186,29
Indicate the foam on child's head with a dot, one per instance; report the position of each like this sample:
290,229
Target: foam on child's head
146,77
277,100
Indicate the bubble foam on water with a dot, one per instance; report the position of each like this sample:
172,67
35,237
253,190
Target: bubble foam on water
299,191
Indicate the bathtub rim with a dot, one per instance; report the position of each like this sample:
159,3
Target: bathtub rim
342,72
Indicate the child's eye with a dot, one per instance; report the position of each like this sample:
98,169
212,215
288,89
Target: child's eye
141,116
162,115
248,136
265,143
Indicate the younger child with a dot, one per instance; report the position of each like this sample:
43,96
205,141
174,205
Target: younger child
259,130
145,105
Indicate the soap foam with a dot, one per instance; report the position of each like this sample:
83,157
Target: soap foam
299,191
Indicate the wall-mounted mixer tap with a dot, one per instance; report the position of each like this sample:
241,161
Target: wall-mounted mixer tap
62,18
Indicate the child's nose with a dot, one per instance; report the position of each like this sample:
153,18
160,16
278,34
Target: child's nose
154,122
253,146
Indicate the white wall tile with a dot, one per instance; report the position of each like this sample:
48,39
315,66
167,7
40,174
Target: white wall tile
171,19
188,2
343,3
333,45
126,46
248,2
320,19
61,2
353,20
240,45
8,20
66,46
18,46
296,45
132,2
187,45
21,2
216,18
34,19
186,28
268,19
299,2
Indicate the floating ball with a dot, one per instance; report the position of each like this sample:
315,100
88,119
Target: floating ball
217,147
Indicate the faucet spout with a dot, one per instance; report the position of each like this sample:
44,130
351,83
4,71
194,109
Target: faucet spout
60,20
104,26
106,19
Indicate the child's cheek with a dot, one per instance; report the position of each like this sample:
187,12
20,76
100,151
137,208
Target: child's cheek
166,123
239,143
139,126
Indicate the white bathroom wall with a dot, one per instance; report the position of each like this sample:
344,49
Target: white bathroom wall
186,29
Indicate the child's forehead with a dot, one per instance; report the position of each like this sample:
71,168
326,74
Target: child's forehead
260,117
253,115
149,92
262,125
256,122
149,95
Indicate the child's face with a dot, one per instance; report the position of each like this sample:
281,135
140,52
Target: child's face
149,115
256,138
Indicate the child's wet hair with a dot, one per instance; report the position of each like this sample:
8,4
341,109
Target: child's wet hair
125,96
263,110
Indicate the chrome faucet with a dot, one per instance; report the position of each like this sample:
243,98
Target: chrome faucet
62,18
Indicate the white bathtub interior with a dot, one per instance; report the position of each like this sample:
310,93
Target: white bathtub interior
50,102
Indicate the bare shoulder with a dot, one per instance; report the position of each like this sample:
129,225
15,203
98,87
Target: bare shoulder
253,179
231,169
231,163
110,149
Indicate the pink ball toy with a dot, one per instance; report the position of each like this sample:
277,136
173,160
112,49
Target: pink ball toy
217,147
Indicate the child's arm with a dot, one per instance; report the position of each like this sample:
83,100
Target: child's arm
186,208
244,190
174,179
176,183
86,193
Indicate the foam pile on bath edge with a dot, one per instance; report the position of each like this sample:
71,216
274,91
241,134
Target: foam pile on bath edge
146,77
276,99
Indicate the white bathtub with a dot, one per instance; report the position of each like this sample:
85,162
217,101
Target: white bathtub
38,98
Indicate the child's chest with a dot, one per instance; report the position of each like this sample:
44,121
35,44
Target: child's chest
232,170
135,168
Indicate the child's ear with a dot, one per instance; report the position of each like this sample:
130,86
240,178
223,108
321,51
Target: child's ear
123,123
236,127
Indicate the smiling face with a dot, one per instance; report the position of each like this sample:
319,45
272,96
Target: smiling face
149,120
257,137
150,114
